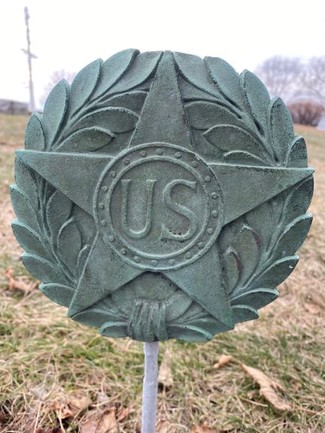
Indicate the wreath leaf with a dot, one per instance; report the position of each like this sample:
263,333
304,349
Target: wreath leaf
25,180
131,100
298,153
69,243
190,332
34,135
226,78
242,157
117,119
42,269
87,140
115,329
298,200
247,249
58,293
102,313
257,97
233,138
142,68
243,313
281,128
113,69
203,114
23,208
54,111
84,84
293,236
232,268
263,221
276,273
58,210
29,239
194,70
255,298
85,224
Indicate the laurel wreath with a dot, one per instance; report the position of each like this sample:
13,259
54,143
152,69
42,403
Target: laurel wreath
232,119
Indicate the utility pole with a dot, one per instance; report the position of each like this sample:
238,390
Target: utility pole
30,56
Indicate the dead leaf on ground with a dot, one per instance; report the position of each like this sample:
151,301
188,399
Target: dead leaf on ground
100,421
124,412
223,360
162,427
71,404
102,398
79,400
62,410
19,284
313,309
268,388
165,377
203,429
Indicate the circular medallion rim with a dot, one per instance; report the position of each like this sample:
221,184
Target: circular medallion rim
189,161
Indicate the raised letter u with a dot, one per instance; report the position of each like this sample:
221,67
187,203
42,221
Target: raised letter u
137,234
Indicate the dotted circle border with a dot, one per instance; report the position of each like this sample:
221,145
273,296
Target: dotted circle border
179,156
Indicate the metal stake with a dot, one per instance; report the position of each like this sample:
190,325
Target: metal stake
150,387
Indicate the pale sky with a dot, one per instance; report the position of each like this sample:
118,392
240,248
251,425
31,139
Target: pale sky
69,34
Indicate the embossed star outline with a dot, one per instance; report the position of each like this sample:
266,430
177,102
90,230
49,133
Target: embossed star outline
162,139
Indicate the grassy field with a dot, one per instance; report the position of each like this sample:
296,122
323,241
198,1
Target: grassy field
58,376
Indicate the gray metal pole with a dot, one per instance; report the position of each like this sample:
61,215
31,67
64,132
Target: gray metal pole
29,59
150,387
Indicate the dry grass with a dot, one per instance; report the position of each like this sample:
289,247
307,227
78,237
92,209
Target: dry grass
45,359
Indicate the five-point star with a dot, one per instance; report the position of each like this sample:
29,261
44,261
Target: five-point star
162,125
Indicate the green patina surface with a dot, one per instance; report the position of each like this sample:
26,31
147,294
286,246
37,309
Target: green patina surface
161,196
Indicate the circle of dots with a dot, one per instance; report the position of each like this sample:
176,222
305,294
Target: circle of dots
189,254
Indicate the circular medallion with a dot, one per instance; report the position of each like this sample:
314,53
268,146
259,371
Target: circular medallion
159,206
153,210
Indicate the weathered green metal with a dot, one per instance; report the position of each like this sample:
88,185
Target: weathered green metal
161,196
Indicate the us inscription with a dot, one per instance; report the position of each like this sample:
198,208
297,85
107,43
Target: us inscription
159,207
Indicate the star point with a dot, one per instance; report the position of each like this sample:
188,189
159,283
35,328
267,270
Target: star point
79,175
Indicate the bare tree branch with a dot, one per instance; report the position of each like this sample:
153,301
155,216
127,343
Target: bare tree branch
281,75
313,79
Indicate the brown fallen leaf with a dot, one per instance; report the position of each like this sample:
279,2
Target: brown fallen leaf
90,423
203,429
165,377
19,284
124,412
268,388
79,400
62,410
71,404
313,309
108,422
223,360
162,427
317,299
103,421
102,399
